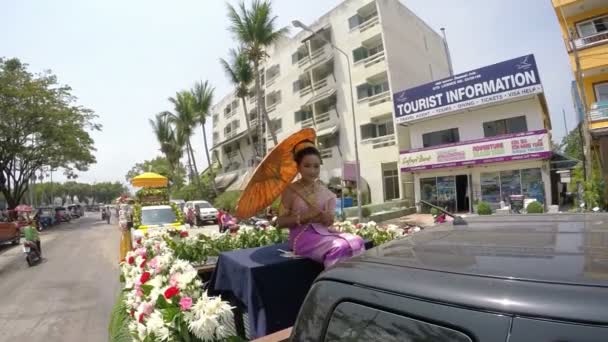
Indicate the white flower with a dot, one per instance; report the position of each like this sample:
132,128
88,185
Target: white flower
156,325
207,318
184,279
180,265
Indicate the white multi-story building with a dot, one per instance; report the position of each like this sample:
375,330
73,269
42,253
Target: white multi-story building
306,84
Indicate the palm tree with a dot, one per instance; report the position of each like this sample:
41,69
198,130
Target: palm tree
202,95
185,122
255,29
170,145
240,73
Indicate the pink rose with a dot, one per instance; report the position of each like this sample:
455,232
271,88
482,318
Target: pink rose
141,252
185,303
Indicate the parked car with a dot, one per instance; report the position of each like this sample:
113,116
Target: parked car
62,214
180,203
9,231
153,217
47,217
534,278
208,212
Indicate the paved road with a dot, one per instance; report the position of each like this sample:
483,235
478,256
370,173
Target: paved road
69,296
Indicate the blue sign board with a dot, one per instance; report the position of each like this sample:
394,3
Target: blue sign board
494,83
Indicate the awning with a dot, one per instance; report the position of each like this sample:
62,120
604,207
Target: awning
228,141
320,96
562,162
241,182
223,181
327,131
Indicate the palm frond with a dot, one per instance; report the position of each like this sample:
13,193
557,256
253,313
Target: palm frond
202,95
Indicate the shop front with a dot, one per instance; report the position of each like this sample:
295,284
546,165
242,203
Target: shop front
458,176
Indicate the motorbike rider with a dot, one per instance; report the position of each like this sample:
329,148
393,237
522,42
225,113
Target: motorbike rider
30,233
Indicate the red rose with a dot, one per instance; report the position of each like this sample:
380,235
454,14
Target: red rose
131,260
358,225
143,264
132,313
138,241
170,292
144,277
183,233
141,318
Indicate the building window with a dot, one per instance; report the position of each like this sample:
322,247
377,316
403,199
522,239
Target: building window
277,125
391,184
592,27
273,98
368,90
506,126
373,130
302,115
447,136
499,186
362,52
273,72
215,119
601,91
299,55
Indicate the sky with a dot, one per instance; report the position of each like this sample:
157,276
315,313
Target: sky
123,59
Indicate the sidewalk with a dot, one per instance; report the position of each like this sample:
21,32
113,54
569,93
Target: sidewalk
420,220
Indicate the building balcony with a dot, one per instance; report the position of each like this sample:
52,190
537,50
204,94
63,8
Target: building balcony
598,117
228,135
379,99
305,90
322,120
324,84
327,153
320,55
232,154
380,142
589,41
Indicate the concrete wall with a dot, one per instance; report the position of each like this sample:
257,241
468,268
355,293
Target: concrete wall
470,123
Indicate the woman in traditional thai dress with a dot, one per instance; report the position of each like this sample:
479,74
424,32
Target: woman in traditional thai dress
307,208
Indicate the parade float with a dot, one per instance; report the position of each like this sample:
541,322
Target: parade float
163,298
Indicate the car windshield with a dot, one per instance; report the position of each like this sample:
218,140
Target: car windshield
157,216
202,205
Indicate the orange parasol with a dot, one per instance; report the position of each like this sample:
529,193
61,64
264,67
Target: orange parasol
272,176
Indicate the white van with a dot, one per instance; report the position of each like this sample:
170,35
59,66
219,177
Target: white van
208,212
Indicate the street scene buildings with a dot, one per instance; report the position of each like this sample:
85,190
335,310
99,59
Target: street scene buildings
306,84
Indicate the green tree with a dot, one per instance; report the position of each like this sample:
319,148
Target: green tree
239,71
41,126
572,144
203,99
161,165
255,30
185,122
171,145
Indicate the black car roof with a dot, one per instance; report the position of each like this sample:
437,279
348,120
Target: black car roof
497,263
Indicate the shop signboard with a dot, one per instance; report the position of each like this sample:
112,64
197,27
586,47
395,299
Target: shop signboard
521,146
494,83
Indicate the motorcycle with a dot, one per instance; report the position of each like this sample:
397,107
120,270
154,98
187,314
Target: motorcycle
258,223
32,253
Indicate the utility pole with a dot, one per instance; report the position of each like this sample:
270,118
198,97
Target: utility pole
565,123
447,52
584,126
